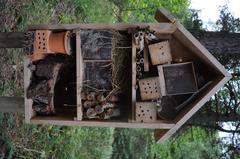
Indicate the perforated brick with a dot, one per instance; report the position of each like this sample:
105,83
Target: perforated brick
41,41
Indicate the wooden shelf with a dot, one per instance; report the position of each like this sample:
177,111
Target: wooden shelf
79,65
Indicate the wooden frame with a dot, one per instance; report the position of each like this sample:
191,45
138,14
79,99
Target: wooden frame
79,63
162,78
168,28
164,28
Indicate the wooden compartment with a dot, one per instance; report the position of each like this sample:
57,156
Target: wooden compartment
89,66
176,79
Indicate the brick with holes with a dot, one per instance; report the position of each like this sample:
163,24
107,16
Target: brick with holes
160,53
41,41
149,88
146,112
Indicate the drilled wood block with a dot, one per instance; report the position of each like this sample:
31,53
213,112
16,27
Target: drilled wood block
160,53
146,112
41,41
149,88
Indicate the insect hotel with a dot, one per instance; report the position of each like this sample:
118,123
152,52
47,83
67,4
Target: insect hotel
147,75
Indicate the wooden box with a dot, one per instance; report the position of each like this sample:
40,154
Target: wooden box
86,64
177,79
146,112
149,88
160,53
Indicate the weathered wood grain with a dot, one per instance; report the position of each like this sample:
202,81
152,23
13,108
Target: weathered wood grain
11,39
12,104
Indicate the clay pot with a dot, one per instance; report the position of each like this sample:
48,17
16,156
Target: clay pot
58,42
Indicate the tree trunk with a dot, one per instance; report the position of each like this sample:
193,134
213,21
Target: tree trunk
213,117
219,42
11,39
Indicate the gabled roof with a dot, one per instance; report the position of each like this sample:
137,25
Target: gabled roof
193,45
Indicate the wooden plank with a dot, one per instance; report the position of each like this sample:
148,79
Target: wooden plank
97,61
29,113
145,58
194,109
161,80
158,133
164,28
11,39
134,76
12,104
79,72
162,15
160,124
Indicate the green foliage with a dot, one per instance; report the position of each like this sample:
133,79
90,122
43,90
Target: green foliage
195,143
227,22
143,10
94,11
193,22
33,141
132,144
73,142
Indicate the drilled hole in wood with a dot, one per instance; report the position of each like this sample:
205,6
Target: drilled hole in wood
40,42
150,117
148,83
139,115
162,53
39,47
143,114
147,110
151,92
142,111
43,39
142,121
38,33
44,48
39,37
43,34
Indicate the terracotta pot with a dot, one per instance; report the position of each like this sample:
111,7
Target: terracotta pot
58,42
